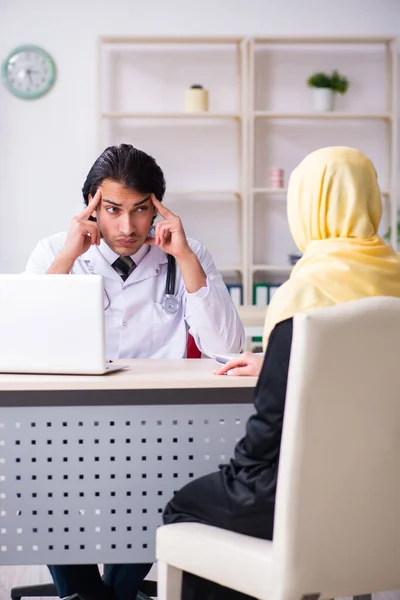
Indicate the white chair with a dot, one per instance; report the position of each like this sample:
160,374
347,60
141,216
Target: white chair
337,521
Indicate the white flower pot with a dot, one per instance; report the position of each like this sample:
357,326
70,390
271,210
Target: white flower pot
324,99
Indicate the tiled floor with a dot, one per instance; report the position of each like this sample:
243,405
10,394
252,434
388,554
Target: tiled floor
13,576
16,576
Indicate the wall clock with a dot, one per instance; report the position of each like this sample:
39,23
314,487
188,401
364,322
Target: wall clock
28,72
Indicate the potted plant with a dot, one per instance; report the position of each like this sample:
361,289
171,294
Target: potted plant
325,87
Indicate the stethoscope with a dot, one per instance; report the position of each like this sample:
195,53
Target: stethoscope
170,303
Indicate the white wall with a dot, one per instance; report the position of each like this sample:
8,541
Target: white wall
48,145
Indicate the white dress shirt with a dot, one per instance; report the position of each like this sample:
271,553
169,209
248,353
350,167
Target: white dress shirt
136,324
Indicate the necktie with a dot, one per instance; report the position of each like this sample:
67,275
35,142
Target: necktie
124,266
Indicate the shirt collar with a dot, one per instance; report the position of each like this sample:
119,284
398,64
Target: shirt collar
112,256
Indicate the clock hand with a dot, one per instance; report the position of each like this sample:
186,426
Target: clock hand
29,73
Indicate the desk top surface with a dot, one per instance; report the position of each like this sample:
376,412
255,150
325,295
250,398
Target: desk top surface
141,374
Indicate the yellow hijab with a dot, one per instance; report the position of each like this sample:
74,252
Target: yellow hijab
334,208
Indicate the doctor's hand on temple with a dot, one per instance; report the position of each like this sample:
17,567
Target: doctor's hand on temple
82,234
170,237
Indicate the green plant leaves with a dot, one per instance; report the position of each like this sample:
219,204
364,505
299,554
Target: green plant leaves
335,81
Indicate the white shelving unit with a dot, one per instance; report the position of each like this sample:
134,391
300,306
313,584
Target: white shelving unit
216,163
166,67
268,108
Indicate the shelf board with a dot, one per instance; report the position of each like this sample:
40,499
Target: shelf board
284,191
170,40
324,40
202,193
265,114
286,269
269,190
178,115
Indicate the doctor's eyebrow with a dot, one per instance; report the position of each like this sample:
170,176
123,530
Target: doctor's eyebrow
136,203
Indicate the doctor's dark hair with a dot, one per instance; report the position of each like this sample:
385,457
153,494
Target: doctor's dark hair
127,165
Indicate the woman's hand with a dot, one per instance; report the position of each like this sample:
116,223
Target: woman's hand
246,364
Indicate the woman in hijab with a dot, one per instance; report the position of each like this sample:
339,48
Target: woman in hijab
334,210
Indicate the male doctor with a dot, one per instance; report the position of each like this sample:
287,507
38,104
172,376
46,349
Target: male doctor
112,237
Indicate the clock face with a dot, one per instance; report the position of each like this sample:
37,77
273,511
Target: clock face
28,72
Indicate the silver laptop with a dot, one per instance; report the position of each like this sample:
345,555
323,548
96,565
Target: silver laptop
53,324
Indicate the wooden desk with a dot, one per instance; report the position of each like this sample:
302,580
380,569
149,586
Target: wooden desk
87,464
142,374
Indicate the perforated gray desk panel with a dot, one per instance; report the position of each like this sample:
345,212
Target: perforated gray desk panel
88,484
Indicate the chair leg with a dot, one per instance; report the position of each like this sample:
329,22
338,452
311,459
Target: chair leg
169,582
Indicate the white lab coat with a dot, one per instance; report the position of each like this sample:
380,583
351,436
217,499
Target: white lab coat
136,324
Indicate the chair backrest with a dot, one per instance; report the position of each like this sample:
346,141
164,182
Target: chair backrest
337,523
